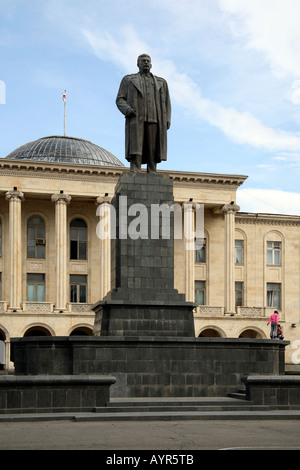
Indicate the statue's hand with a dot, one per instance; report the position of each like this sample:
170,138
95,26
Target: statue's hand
130,112
168,125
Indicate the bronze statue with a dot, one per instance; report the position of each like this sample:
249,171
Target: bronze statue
144,100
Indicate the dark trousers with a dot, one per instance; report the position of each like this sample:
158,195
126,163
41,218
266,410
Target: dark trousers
149,149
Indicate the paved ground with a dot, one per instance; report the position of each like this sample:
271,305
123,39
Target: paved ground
151,435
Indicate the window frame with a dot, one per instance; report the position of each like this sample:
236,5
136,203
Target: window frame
273,250
198,290
271,295
198,258
240,249
75,288
37,236
36,283
241,290
76,243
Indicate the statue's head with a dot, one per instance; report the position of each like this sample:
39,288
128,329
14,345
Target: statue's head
144,63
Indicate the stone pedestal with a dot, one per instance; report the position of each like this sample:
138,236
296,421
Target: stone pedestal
143,301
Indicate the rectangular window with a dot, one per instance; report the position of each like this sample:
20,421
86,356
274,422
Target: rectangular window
273,295
273,253
78,243
239,294
36,287
239,251
200,250
200,292
78,288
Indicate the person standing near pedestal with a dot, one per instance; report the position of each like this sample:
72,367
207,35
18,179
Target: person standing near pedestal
144,100
274,323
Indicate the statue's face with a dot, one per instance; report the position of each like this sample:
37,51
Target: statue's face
144,64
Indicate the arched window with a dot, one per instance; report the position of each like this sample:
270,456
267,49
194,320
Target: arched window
78,239
36,241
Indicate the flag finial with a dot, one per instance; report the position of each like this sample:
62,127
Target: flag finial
64,98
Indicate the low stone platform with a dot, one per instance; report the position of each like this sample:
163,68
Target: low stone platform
53,394
279,390
153,366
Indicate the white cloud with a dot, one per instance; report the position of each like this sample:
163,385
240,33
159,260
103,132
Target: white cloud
120,52
295,95
270,27
268,201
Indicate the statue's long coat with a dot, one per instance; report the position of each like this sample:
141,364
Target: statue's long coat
130,95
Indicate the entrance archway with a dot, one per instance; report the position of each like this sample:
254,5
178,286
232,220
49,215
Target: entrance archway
251,333
37,331
82,331
210,332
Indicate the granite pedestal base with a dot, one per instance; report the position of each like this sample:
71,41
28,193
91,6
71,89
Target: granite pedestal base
144,318
142,300
153,366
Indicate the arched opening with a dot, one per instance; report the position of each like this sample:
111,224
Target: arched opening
37,331
82,331
250,333
210,333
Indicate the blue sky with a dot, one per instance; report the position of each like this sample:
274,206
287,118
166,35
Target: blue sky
232,67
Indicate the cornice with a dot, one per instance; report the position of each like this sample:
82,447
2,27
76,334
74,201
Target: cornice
38,169
267,219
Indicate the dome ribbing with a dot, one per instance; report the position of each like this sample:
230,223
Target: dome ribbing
62,149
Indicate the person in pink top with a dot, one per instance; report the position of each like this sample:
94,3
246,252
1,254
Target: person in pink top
274,322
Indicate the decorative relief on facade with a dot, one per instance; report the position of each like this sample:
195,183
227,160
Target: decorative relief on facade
263,220
3,306
210,310
36,267
250,311
81,308
78,267
38,307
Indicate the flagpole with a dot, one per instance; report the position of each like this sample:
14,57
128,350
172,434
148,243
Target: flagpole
64,97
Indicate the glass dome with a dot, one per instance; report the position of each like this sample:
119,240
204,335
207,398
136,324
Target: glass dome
63,149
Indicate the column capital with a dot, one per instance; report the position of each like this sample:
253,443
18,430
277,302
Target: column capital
61,198
103,199
14,195
230,208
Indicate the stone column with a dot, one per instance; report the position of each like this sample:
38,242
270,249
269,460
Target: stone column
189,254
15,198
104,235
229,211
61,201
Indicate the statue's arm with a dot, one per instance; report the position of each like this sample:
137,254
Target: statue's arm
121,100
168,105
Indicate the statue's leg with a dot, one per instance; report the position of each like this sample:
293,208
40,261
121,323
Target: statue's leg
135,163
151,136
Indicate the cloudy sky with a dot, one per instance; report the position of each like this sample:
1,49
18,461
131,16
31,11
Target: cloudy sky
232,67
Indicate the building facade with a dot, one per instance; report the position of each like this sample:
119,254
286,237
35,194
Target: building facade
54,266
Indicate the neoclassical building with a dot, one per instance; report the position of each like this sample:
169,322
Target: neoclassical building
54,266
